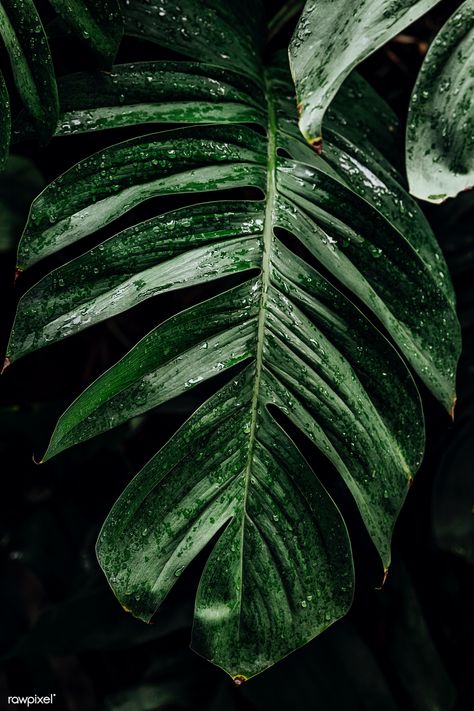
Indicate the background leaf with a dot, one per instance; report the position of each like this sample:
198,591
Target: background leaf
440,128
99,24
227,34
331,38
32,66
5,122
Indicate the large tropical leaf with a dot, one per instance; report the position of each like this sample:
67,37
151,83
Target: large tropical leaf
331,38
280,570
440,132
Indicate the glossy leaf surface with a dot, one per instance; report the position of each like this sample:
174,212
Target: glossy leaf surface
227,34
331,38
287,340
25,40
99,24
440,132
146,92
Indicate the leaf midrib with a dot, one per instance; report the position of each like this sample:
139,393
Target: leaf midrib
265,282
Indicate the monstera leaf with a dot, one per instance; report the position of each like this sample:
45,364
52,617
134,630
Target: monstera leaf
98,24
307,242
331,38
440,133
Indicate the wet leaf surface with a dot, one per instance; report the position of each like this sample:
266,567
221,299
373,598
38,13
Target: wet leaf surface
25,40
295,349
321,56
440,130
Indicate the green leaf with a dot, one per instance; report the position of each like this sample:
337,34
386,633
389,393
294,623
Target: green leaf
32,66
376,132
440,132
117,179
331,38
100,24
260,596
227,34
5,122
283,340
145,92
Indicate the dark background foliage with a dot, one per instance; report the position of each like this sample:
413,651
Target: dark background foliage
406,647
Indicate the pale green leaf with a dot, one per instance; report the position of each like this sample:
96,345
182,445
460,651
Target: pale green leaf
440,131
331,38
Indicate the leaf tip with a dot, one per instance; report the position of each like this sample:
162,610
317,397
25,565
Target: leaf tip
6,364
385,576
317,144
41,461
239,679
453,408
